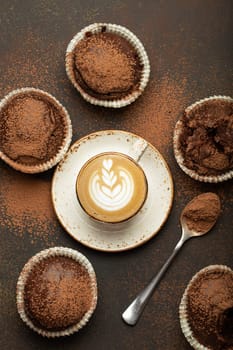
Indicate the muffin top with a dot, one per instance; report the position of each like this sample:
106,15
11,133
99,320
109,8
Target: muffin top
106,65
57,293
31,128
210,308
206,137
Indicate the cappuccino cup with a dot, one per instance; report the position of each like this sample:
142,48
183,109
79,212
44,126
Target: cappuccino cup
111,187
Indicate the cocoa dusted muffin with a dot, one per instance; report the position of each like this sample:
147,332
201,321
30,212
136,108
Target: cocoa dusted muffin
56,292
206,310
206,139
35,130
106,65
31,129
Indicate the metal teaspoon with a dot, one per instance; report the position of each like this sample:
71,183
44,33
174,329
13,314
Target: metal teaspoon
135,309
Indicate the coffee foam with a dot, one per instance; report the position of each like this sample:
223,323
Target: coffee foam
111,187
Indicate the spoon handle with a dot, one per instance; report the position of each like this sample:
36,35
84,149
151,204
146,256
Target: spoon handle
135,309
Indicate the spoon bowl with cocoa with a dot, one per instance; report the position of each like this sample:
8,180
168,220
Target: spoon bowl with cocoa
197,218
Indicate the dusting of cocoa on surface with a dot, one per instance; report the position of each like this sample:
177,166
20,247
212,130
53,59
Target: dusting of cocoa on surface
202,212
24,66
26,204
155,113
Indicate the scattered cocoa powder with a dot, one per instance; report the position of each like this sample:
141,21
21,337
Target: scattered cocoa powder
154,114
26,205
202,212
22,66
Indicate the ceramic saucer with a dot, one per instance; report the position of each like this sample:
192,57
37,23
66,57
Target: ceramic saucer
119,236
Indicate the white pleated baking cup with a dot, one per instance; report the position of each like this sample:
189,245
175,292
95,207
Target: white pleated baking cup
183,312
179,156
38,168
44,254
133,40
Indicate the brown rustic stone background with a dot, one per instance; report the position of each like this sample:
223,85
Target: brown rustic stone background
189,44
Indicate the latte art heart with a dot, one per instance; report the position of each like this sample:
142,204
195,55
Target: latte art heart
109,189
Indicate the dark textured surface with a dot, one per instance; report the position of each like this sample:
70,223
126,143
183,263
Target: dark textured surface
189,44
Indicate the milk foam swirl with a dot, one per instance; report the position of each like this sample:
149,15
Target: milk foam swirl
111,190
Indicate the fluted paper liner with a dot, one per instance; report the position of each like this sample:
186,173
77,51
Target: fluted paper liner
183,312
133,40
32,169
179,156
44,254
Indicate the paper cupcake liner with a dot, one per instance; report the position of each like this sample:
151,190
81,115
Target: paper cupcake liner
133,40
44,254
183,312
32,169
179,156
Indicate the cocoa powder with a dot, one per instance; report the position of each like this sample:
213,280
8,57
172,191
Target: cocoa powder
202,212
26,205
154,114
23,65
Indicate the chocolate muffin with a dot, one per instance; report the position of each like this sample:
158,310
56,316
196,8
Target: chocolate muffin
34,129
206,310
205,138
107,63
56,292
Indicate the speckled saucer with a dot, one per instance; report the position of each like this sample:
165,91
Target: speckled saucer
118,236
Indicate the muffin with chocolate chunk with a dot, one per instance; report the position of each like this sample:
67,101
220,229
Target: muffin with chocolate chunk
56,292
206,309
107,64
35,130
203,140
